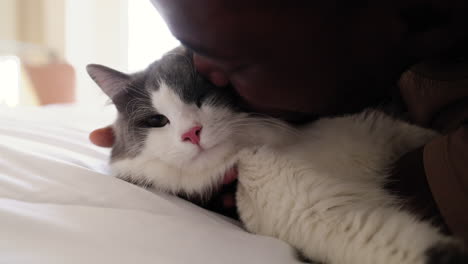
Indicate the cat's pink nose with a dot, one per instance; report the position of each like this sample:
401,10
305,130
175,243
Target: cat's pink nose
192,135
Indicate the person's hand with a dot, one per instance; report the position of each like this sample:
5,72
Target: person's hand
103,137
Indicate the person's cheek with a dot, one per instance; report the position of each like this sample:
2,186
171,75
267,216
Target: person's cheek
250,89
256,82
211,70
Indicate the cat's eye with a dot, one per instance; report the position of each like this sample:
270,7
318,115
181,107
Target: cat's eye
156,121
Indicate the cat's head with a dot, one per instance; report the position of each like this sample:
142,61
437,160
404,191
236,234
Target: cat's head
174,129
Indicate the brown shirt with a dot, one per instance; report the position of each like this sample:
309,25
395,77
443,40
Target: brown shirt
436,177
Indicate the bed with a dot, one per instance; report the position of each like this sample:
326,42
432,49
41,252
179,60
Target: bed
58,203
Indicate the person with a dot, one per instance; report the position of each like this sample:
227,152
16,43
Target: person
299,60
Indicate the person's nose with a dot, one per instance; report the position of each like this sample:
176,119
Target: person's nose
210,70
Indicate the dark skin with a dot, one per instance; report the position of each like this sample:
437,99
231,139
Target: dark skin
330,57
299,60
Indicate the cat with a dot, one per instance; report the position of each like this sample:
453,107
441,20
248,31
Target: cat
318,187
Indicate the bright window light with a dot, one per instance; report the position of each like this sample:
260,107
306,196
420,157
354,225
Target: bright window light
149,38
9,80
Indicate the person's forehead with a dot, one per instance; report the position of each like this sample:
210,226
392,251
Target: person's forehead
201,24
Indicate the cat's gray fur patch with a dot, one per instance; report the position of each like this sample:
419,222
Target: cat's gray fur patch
177,71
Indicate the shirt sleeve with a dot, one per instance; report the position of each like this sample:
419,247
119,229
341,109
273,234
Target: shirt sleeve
446,168
437,97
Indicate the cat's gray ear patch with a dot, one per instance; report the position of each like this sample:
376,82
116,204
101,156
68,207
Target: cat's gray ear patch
109,80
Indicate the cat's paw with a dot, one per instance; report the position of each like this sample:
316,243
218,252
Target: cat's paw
447,253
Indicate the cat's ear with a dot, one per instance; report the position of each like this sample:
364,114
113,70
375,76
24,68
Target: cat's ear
109,80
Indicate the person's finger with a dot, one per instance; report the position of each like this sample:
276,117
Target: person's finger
103,137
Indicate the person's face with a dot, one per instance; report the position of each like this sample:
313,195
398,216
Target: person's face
292,61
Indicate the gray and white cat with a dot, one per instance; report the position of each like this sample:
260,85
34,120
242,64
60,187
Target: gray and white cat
318,187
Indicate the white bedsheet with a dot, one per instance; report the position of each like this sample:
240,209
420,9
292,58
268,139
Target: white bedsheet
59,205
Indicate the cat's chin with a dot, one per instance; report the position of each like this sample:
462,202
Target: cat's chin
226,178
213,168
221,197
200,180
230,176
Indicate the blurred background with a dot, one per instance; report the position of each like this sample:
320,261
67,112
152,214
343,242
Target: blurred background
45,46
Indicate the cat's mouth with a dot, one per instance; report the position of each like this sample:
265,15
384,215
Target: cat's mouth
230,175
222,199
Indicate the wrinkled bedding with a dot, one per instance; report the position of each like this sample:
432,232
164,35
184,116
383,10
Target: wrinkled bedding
58,203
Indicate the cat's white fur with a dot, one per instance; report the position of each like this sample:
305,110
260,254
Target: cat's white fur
321,191
176,165
324,194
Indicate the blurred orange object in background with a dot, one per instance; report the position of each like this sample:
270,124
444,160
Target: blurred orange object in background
53,83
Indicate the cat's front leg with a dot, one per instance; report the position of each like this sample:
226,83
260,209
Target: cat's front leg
252,182
262,208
